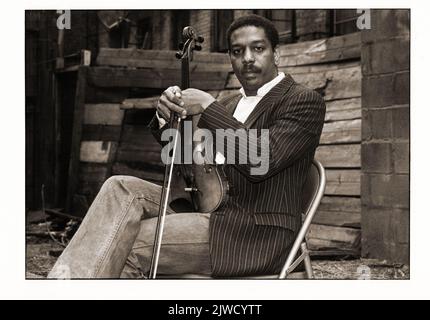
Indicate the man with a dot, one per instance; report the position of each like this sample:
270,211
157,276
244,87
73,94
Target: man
253,232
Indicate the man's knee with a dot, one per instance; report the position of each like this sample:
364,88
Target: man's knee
130,183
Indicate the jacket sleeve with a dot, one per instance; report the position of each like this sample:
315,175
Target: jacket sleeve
156,131
294,131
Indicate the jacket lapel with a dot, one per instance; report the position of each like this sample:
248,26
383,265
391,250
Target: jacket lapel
269,100
232,103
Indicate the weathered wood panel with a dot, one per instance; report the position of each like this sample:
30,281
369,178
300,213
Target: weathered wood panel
336,84
339,156
310,49
91,172
130,152
341,132
344,109
153,78
144,58
343,182
78,116
103,113
140,103
150,102
95,132
322,238
97,151
339,211
106,95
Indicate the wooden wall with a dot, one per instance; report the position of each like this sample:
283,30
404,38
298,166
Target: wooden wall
333,68
119,105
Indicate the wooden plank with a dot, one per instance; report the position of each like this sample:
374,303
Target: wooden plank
151,55
139,146
140,103
339,156
97,151
133,153
336,84
347,131
76,136
92,132
150,102
91,172
106,95
103,113
293,70
151,78
339,211
140,135
321,45
321,237
310,56
343,182
138,116
171,64
344,83
344,109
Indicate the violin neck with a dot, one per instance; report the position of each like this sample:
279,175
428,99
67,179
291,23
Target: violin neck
185,69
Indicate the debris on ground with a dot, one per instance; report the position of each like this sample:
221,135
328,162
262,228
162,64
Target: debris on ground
47,237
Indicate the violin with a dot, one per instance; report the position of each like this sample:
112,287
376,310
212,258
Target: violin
188,187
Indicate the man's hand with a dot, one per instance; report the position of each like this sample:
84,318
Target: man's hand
170,101
185,103
196,101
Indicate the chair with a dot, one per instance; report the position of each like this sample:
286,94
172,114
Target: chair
313,192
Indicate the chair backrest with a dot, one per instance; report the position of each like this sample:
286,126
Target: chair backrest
313,191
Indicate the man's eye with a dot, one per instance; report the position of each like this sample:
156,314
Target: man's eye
236,52
258,49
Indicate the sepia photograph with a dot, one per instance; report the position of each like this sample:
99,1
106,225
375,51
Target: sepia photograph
217,144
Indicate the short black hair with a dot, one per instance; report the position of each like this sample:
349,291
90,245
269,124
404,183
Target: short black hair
256,21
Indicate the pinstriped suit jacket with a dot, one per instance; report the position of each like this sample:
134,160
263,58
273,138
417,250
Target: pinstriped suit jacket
253,232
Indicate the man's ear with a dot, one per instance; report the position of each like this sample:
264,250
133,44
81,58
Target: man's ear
277,55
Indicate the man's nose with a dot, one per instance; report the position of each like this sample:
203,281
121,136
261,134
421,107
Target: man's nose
248,57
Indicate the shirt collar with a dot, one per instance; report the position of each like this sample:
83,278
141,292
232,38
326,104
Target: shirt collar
264,89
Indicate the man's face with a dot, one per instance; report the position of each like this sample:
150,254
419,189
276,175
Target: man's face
253,60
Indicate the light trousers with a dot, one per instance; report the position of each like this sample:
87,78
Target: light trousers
115,239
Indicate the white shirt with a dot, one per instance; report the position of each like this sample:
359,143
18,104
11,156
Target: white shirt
247,104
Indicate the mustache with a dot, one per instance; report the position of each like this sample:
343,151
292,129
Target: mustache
251,69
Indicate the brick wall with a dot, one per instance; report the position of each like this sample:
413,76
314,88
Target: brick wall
312,24
162,30
385,135
201,20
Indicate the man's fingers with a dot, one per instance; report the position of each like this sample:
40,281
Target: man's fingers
164,101
163,112
174,94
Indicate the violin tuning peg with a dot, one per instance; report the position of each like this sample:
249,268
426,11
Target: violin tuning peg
200,39
178,55
198,47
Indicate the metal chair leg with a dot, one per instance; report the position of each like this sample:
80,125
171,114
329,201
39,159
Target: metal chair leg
307,261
